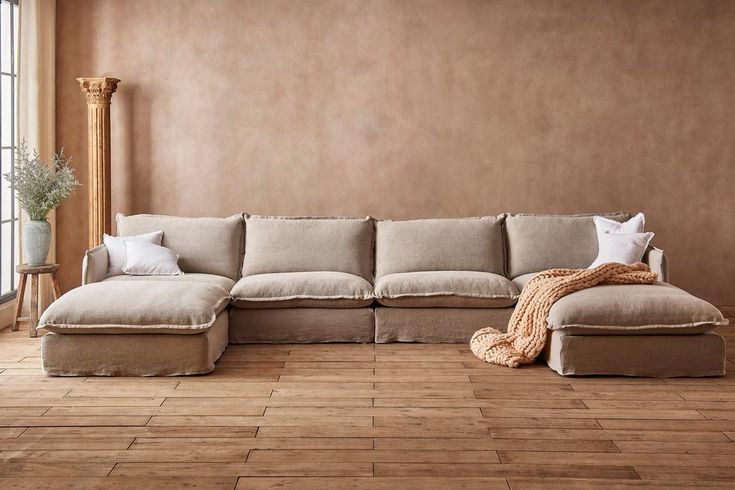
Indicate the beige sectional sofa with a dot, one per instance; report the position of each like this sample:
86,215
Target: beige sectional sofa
251,279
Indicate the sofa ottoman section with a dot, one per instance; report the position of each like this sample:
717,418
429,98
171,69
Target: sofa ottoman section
636,355
155,328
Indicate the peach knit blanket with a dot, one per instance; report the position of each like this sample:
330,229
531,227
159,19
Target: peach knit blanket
526,335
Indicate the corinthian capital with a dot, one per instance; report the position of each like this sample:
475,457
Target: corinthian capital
98,90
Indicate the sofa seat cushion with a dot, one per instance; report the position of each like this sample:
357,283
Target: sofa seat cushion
135,307
446,289
321,289
641,309
521,281
211,279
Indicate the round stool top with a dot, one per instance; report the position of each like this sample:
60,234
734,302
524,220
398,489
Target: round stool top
36,269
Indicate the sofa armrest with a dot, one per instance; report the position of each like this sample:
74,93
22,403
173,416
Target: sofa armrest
656,260
94,265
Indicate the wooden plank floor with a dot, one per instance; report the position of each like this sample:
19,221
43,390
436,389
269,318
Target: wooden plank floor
361,416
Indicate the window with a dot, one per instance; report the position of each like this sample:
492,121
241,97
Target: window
8,144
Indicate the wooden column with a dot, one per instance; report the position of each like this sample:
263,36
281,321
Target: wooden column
99,92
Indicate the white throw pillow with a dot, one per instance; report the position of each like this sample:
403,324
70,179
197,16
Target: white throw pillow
148,259
633,225
624,248
116,249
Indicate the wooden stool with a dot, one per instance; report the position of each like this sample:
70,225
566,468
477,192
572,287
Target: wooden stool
33,270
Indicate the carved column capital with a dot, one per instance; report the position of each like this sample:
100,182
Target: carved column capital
98,90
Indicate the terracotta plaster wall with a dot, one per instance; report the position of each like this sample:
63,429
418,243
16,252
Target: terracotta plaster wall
414,108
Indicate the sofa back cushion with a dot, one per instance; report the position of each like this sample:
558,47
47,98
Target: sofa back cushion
450,244
536,242
204,245
295,244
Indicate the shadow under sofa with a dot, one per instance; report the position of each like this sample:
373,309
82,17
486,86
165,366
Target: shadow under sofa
303,280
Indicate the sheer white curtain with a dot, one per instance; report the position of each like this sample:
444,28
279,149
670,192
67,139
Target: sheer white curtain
37,93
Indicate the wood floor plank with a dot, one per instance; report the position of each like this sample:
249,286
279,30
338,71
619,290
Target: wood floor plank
205,470
136,431
458,444
125,483
520,422
371,456
70,443
191,454
334,443
519,483
244,421
608,435
505,470
676,447
317,483
614,459
71,421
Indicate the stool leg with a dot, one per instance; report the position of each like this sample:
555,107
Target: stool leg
55,284
33,321
19,299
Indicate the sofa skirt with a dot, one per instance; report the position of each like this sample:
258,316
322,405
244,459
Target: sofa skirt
436,325
135,354
301,325
665,356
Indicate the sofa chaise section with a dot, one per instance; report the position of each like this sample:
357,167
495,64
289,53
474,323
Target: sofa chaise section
305,280
633,330
149,325
118,328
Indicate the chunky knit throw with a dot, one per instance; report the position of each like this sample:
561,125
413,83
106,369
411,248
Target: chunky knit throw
526,335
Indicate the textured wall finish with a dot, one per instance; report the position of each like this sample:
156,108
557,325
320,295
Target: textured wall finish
412,109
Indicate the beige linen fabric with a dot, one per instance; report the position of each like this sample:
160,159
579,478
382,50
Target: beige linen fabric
435,325
126,307
452,244
293,244
446,289
205,245
301,325
134,355
302,289
636,355
95,264
537,242
630,309
211,279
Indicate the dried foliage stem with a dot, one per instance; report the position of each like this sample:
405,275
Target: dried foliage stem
41,186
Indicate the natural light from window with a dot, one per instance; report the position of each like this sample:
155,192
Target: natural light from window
9,139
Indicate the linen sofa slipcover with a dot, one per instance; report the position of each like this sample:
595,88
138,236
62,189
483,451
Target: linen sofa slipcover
537,242
130,307
451,244
212,279
633,309
310,280
322,289
285,244
205,245
636,355
446,289
152,354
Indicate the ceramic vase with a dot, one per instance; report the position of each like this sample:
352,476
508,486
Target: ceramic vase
36,241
